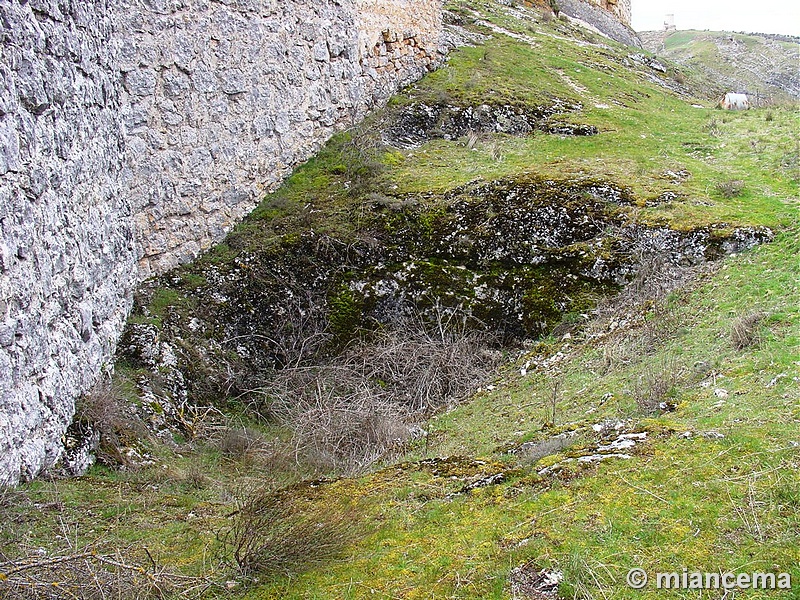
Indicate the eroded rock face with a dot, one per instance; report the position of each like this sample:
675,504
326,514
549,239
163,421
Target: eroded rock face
513,255
419,122
133,135
609,17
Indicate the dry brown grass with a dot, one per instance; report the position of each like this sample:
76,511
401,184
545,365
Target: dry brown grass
746,330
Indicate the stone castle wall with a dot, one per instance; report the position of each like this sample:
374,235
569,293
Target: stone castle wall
221,101
134,134
67,257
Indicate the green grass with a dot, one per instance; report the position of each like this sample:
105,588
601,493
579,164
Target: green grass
725,62
724,496
704,504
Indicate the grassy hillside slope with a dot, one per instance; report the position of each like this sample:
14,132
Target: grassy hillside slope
762,66
659,429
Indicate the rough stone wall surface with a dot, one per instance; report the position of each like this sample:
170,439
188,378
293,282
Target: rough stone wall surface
134,134
67,259
222,100
611,20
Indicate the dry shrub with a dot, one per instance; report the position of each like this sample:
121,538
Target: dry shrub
236,442
471,139
426,366
730,188
106,410
348,413
746,330
275,533
655,384
339,422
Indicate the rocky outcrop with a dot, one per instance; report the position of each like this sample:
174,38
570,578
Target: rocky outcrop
612,19
134,134
621,9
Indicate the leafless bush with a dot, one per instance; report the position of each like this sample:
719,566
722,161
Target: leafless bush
108,412
350,412
91,575
654,385
238,441
746,330
339,422
271,534
301,332
426,365
730,188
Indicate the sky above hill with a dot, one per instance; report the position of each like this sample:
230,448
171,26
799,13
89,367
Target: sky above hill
766,16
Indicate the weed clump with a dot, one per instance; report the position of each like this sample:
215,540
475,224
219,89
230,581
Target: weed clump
746,330
105,410
653,389
273,534
731,188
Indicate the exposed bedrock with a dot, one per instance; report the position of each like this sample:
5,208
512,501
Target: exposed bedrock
513,256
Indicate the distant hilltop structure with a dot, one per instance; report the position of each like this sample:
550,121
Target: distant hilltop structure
669,23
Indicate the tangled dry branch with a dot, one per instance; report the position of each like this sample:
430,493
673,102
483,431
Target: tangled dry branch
90,575
352,410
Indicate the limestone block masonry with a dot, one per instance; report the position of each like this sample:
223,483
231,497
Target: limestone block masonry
67,255
133,135
222,100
